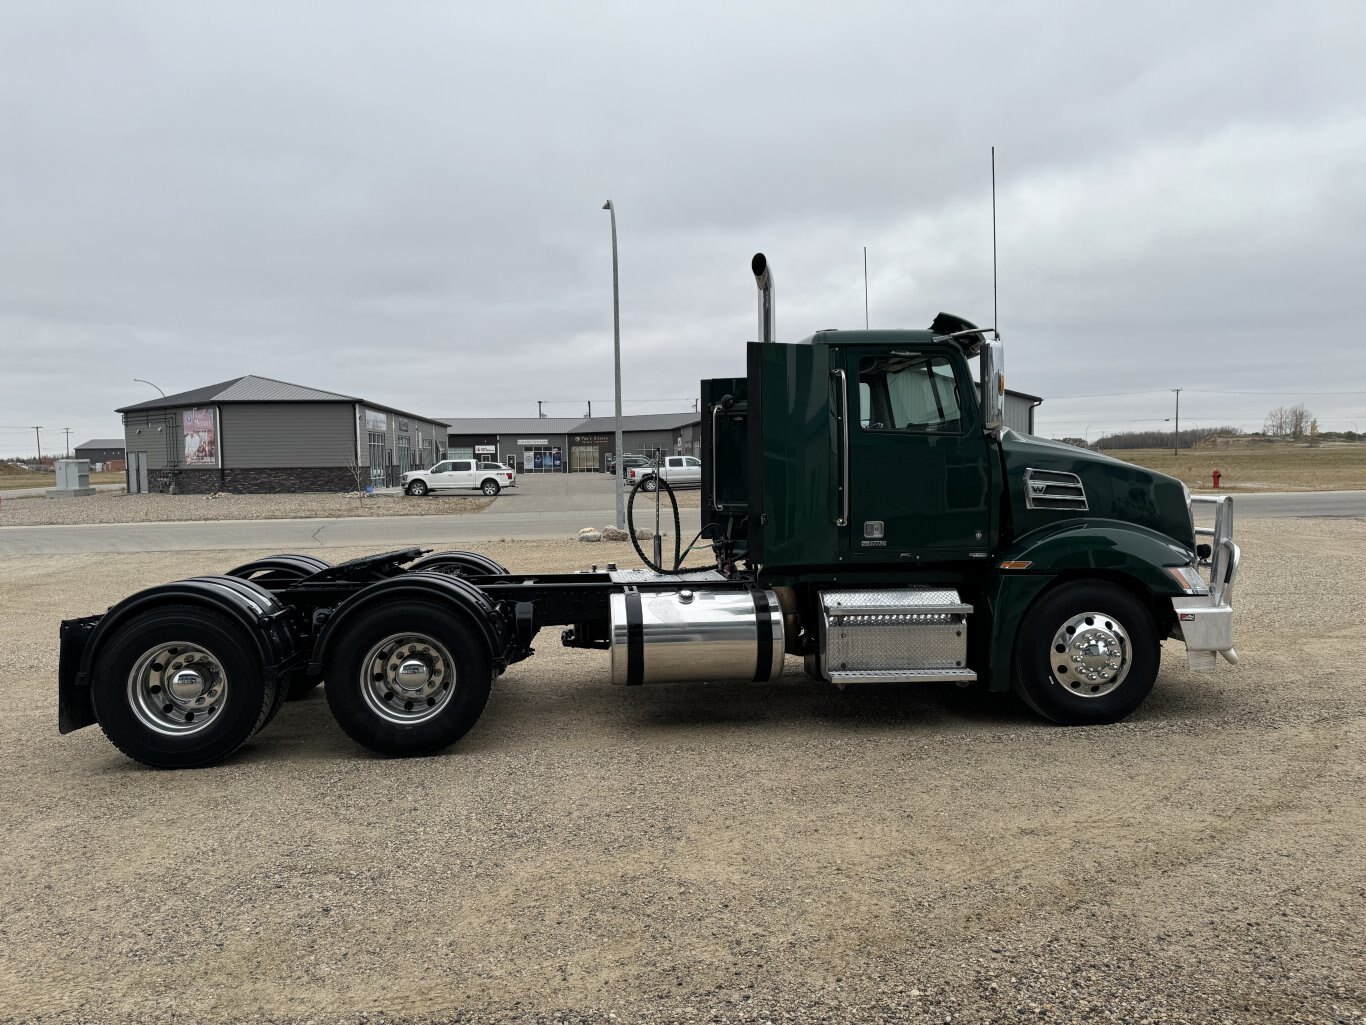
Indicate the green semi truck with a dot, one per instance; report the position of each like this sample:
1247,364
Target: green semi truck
867,510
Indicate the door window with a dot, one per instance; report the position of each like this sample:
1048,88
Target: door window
908,392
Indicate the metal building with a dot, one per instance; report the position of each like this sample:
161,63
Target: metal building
1020,408
100,451
256,434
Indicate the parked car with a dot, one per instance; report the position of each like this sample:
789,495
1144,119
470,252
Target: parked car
679,471
628,461
457,475
495,467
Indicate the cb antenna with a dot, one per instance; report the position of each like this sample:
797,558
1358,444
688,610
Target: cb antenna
995,315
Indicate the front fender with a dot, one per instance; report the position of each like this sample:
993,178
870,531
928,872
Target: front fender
1132,556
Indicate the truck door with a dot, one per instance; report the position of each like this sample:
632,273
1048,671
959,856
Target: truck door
920,481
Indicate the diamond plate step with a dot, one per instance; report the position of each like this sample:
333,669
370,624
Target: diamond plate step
841,677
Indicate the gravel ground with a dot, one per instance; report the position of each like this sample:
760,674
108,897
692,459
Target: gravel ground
693,853
117,507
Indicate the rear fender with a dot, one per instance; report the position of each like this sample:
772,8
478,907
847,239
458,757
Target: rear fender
457,596
265,624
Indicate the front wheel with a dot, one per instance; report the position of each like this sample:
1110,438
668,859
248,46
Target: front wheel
408,679
490,488
1087,653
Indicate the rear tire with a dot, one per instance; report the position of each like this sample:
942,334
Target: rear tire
417,488
179,687
649,484
1087,654
408,678
490,488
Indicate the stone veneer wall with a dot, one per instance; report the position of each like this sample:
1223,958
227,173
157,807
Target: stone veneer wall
263,480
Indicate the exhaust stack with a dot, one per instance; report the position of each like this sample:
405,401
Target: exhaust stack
763,277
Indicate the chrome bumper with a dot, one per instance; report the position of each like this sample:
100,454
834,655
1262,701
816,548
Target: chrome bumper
1205,621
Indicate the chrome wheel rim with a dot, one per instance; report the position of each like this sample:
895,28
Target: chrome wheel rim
1090,655
490,489
408,678
177,688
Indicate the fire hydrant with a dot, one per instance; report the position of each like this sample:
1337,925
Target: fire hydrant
1214,476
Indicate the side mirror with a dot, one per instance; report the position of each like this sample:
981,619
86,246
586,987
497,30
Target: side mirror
993,386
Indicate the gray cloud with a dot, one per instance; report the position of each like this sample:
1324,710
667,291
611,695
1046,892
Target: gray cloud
403,202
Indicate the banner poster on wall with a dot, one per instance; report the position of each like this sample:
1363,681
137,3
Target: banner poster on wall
555,456
201,439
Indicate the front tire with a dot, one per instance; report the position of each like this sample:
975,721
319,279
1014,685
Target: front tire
417,488
178,687
490,488
1087,654
408,679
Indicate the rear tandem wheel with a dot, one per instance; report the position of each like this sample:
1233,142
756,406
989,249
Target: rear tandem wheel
178,687
408,679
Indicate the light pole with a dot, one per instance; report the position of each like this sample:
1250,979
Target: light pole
616,354
157,387
1176,434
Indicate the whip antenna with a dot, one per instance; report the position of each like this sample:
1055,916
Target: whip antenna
995,315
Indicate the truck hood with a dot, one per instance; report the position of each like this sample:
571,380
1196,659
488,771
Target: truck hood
1042,479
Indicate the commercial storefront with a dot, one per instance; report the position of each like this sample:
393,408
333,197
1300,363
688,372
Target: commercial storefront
559,445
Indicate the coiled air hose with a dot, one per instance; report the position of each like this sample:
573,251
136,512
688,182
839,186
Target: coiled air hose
679,552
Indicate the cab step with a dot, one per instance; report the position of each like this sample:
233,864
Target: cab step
898,635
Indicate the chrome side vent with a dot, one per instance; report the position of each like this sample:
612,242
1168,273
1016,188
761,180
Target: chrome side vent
1054,489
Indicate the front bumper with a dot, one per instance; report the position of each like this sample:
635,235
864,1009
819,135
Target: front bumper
1205,621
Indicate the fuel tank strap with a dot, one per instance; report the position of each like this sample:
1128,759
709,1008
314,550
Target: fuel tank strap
635,639
763,636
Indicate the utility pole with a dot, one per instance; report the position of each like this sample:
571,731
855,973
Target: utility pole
67,432
39,442
1176,435
590,409
539,414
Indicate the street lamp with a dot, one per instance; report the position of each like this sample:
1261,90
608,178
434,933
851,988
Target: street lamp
616,353
157,387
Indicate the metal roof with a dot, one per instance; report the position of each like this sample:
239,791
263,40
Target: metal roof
101,443
566,425
510,424
638,422
251,388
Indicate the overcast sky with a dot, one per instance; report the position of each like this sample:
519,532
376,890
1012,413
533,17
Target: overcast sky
403,201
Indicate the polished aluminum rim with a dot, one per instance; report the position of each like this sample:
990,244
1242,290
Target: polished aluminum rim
177,688
407,678
1091,654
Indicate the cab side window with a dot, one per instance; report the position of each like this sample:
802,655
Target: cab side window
905,391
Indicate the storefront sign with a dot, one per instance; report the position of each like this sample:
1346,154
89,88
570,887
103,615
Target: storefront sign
591,439
484,450
533,441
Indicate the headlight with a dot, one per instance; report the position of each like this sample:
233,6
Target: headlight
1189,578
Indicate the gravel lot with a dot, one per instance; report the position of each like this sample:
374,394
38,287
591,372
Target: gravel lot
705,853
117,507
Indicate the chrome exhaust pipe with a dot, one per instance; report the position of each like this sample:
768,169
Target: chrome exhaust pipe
763,277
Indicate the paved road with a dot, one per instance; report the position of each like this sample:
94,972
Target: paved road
542,512
40,492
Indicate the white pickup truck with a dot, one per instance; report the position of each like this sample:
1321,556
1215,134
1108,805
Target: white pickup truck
458,475
678,471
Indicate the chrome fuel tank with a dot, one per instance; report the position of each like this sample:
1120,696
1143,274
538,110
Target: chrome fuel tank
697,634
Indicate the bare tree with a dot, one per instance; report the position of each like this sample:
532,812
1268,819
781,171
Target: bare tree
359,474
1288,422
